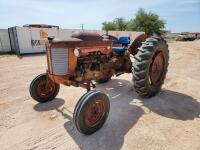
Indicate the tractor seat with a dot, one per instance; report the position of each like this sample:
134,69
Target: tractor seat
124,41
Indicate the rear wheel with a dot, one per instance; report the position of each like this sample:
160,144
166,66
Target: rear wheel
150,66
42,89
91,112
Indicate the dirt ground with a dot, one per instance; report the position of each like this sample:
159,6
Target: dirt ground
170,120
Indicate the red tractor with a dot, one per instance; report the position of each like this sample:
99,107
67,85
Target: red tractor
87,57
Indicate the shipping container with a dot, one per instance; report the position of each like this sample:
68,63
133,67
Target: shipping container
4,41
26,40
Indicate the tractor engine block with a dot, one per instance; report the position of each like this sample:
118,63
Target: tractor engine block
97,66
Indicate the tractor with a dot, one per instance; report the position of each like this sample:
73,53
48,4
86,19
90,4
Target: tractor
86,57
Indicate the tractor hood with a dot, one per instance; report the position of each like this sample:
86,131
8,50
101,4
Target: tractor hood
82,39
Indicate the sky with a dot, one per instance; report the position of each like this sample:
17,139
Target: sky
180,15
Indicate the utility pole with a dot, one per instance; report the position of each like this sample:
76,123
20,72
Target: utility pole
82,27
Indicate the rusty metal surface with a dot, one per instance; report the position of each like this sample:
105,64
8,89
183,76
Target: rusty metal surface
44,89
73,42
136,43
82,39
87,36
96,61
95,49
95,112
157,68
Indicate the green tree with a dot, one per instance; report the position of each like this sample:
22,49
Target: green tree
120,24
109,26
149,23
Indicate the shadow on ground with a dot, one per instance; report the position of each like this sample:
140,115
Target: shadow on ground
31,55
124,114
56,103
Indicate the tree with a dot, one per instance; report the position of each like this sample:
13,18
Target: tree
108,26
120,24
150,23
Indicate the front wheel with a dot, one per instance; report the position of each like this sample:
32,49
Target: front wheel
91,112
150,66
42,89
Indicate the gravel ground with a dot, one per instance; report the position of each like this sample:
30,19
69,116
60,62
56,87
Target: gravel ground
170,120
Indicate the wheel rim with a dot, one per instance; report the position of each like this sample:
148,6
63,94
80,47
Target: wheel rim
45,88
95,113
157,68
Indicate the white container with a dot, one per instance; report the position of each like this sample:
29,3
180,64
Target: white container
25,40
4,41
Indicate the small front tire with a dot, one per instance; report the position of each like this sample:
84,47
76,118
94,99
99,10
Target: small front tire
41,91
91,112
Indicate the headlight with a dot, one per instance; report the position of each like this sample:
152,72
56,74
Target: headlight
77,52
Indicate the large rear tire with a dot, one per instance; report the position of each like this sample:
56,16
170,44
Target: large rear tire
150,66
91,112
43,90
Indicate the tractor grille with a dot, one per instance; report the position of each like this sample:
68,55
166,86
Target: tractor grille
59,57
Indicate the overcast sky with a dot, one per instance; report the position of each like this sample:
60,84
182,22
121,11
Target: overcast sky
180,15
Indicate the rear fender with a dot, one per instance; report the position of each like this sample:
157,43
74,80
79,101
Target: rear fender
136,43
